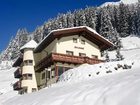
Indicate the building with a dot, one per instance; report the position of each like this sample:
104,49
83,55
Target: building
59,51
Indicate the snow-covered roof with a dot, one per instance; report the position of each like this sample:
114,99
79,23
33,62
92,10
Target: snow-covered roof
92,35
31,44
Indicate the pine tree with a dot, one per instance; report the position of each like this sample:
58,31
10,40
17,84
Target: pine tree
107,56
91,17
23,38
106,28
70,19
38,34
119,56
123,20
138,17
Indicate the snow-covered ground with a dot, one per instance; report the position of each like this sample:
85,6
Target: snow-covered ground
113,83
6,82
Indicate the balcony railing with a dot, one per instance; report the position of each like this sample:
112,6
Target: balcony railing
17,85
18,73
57,57
74,59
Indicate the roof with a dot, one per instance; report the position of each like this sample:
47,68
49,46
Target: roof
31,44
84,31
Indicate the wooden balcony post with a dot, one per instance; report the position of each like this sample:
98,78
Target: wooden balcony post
56,71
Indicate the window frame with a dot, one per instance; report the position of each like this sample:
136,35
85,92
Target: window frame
75,40
34,89
27,76
94,56
70,53
43,75
83,41
28,62
82,54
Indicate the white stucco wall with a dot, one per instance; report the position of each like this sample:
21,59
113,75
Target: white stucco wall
66,44
49,49
29,69
28,54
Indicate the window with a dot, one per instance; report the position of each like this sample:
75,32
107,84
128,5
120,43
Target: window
48,74
69,52
74,40
66,68
33,89
27,76
28,62
53,73
82,41
60,70
82,54
95,56
43,75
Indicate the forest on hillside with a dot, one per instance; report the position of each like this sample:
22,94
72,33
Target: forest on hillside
112,22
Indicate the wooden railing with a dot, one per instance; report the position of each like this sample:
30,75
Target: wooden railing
17,85
74,59
57,57
18,73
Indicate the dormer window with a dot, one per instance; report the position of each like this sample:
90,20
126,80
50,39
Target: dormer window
82,41
74,40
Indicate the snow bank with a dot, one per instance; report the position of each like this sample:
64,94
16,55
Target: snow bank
84,73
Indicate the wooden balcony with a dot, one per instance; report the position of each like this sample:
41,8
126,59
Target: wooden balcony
18,73
17,85
74,59
18,61
64,58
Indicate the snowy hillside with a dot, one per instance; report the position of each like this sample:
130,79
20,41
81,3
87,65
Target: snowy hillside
130,50
117,89
6,82
113,83
121,1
